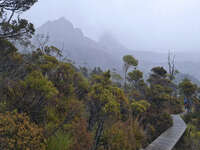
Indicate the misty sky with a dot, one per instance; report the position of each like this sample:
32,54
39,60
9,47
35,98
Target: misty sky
157,25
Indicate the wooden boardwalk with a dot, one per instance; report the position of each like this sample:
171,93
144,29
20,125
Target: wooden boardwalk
168,139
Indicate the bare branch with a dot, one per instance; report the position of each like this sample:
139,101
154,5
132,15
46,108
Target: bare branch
11,16
171,65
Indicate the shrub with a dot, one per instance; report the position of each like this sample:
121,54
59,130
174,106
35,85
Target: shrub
60,141
82,138
18,133
123,136
160,122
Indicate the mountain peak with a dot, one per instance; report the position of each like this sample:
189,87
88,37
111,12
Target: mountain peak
62,19
61,26
63,22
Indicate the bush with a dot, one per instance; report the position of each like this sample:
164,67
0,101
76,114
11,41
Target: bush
123,136
18,133
60,141
188,117
82,139
160,122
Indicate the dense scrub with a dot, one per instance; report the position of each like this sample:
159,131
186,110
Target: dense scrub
17,132
191,138
49,104
82,112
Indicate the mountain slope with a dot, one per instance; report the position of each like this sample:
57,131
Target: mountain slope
107,53
75,45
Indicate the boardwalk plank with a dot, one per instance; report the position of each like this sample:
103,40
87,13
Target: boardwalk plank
169,138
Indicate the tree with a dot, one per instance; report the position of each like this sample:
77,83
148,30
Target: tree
160,71
82,139
96,71
61,117
104,102
41,41
171,66
188,89
62,77
128,62
29,96
84,71
161,88
12,28
135,77
61,141
43,47
123,136
139,107
116,78
8,53
17,132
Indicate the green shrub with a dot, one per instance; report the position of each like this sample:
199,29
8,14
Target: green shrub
60,141
188,117
160,122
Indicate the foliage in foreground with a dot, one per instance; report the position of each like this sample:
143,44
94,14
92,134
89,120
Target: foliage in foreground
49,104
19,133
81,113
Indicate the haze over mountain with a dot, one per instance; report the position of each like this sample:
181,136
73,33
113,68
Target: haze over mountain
107,52
153,25
75,45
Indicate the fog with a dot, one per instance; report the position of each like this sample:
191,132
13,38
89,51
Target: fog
153,25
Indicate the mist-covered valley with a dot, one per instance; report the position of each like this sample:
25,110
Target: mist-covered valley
107,51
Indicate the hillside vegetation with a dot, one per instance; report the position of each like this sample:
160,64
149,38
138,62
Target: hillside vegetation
47,103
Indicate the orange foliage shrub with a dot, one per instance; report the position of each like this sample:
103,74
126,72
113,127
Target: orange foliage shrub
123,136
18,133
82,139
